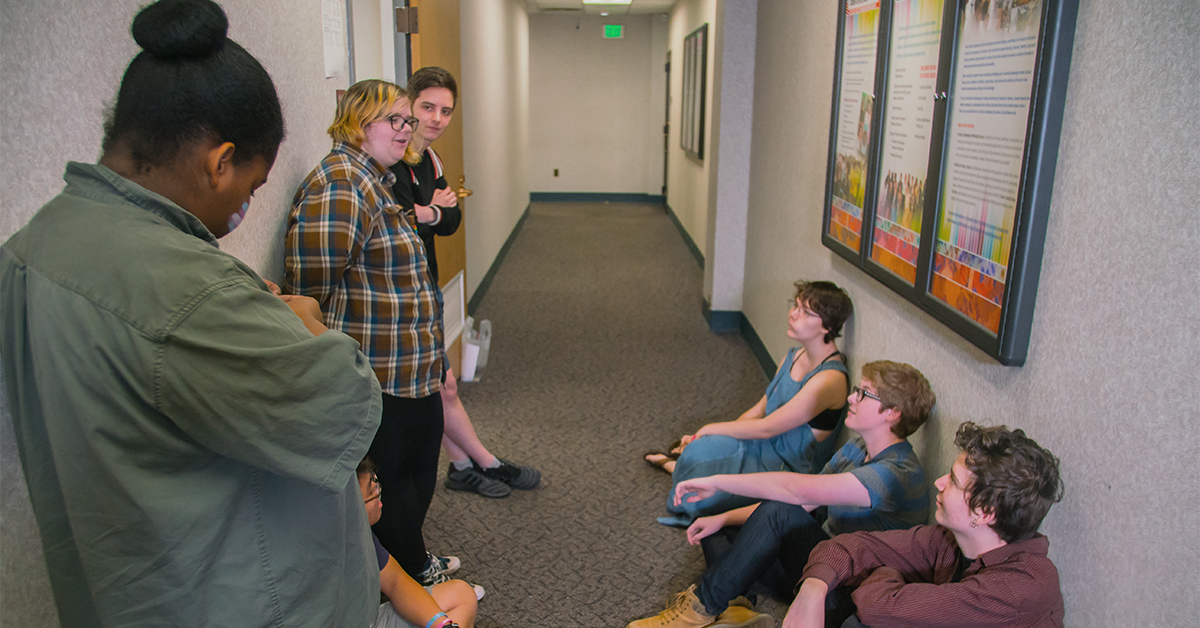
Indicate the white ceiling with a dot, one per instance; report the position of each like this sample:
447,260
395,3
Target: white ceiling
577,6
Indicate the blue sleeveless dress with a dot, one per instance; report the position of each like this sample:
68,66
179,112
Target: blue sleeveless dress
795,450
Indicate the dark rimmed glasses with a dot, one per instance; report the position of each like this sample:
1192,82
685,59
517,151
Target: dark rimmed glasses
375,489
860,393
398,122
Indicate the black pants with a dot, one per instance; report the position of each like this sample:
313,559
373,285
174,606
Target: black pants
406,450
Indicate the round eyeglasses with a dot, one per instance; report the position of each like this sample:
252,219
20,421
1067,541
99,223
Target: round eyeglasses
398,122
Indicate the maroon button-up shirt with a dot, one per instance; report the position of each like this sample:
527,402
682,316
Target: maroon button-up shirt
904,579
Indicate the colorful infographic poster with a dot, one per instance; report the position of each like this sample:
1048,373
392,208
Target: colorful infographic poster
856,98
996,61
907,130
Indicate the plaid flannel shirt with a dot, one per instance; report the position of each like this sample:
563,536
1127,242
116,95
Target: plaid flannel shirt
349,247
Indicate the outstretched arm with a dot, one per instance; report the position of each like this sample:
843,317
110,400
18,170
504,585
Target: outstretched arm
839,489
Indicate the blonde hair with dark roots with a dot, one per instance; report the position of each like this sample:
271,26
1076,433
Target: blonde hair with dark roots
1016,480
365,102
903,387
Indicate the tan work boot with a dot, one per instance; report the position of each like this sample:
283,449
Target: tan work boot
742,617
686,612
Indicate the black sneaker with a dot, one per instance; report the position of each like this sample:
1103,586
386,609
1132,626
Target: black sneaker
473,479
431,576
445,564
515,475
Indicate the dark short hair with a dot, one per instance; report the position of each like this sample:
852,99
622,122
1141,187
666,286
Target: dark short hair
903,387
366,466
189,83
828,301
1016,479
428,77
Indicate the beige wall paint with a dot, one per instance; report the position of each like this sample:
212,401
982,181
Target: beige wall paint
495,119
1111,383
61,63
368,38
593,106
688,178
735,34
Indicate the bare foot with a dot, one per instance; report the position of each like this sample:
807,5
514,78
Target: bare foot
661,461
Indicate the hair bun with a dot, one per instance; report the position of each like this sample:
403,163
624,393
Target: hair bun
181,28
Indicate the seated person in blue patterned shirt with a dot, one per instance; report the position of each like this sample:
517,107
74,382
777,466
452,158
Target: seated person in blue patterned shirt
875,482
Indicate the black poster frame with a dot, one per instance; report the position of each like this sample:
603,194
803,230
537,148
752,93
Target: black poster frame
694,93
1009,345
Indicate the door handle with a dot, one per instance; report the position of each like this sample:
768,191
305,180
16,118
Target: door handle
462,191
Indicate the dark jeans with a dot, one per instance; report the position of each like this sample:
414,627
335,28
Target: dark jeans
406,450
775,532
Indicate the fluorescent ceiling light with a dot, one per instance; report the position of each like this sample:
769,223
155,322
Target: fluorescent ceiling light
608,1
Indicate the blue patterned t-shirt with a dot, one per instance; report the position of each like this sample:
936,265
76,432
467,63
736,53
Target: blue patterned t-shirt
895,481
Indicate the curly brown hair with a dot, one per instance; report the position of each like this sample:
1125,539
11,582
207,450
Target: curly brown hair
828,301
1016,479
903,387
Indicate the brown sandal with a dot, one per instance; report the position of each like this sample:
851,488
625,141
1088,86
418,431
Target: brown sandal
661,464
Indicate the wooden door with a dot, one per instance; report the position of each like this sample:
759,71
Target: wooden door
437,43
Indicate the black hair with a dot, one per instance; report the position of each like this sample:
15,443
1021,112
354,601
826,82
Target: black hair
428,77
189,83
366,466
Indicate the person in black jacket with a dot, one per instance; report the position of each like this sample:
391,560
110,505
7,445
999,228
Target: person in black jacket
421,189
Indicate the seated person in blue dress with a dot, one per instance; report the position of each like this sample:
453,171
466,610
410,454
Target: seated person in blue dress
874,482
451,604
793,427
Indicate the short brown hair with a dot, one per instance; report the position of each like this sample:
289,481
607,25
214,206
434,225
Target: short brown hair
365,102
431,76
903,387
828,301
1016,480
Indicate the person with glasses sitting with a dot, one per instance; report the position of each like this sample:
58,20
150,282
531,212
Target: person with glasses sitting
350,246
450,604
794,427
874,482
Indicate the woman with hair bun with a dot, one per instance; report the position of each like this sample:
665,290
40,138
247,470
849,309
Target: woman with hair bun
189,439
351,247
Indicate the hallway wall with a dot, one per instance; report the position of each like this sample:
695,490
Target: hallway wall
596,105
495,118
1111,381
59,73
687,177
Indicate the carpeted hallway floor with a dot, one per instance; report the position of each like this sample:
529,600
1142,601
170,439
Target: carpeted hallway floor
599,354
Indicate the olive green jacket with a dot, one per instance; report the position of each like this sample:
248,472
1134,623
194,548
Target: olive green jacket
188,445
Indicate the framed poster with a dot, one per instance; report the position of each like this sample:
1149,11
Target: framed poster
960,158
906,136
851,131
695,86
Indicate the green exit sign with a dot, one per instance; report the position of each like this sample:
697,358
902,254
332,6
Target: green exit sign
614,31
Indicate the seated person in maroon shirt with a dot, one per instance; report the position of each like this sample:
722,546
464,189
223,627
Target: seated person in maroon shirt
983,565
